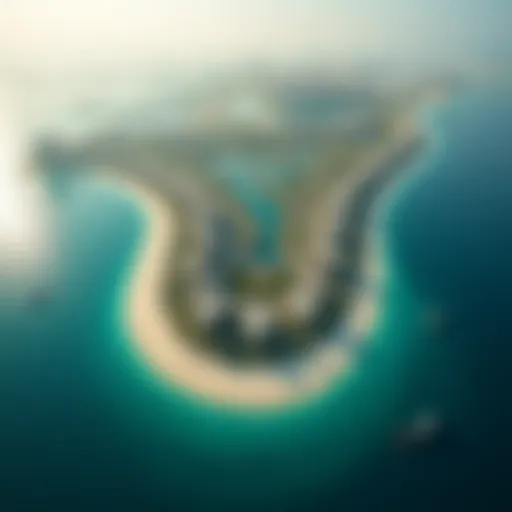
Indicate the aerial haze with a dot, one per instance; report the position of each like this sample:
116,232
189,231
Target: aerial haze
255,255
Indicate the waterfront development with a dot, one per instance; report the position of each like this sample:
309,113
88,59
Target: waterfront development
272,208
414,422
255,255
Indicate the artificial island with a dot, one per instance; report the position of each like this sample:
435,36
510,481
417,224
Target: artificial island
258,202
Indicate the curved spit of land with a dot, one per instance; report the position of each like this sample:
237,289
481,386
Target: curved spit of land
219,301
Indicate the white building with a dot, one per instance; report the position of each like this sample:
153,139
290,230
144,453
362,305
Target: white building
256,319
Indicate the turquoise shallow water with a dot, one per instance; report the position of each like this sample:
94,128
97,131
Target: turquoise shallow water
255,180
85,425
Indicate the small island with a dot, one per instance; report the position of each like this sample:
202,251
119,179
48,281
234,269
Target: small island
258,216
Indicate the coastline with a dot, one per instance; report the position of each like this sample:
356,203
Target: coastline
156,337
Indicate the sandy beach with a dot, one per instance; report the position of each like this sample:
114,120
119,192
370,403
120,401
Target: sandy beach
155,335
150,322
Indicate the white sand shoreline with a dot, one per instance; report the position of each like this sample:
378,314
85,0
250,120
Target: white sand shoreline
156,337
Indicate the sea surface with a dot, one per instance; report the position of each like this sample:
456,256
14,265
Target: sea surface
86,425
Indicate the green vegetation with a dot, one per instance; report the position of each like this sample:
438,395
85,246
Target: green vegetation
260,282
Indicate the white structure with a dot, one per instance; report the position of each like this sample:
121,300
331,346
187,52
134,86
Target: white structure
209,304
256,319
301,301
246,110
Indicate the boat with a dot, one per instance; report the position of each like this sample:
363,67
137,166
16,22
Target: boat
425,429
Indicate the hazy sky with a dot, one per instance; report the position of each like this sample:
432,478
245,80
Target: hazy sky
47,33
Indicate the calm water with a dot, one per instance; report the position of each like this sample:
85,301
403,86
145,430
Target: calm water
86,426
257,181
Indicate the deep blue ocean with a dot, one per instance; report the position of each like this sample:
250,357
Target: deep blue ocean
86,425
